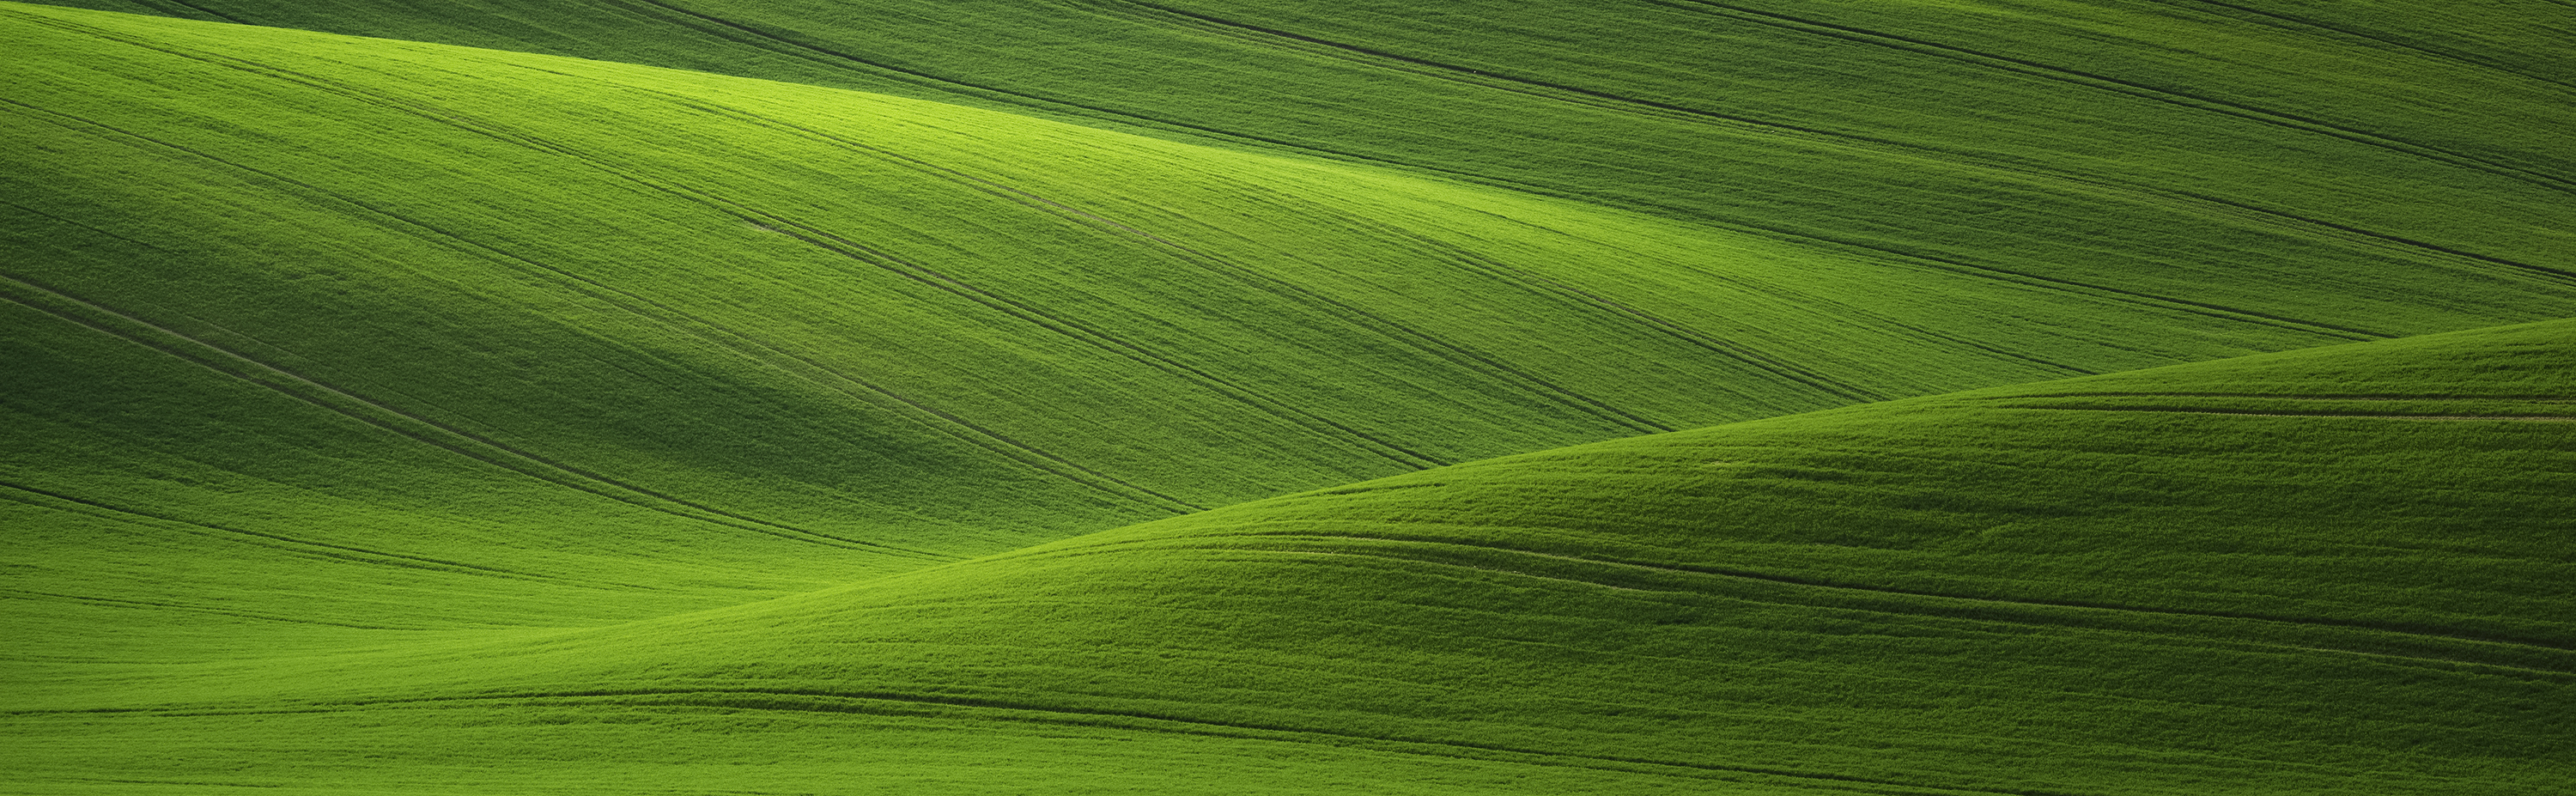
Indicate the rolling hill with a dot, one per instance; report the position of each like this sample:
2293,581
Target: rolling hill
2193,150
839,397
2339,570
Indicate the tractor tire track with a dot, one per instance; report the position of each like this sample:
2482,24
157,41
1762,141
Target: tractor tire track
2084,289
2288,22
772,528
975,434
2552,650
288,544
812,235
1104,341
1319,424
22,594
2535,398
2172,97
779,43
463,443
832,701
202,13
1542,285
2210,410
1819,136
1840,139
1361,318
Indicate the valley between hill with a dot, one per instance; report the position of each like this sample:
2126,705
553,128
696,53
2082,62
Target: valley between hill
1100,397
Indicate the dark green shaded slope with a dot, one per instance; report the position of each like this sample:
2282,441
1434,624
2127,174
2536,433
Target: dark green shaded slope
883,330
2187,151
2341,570
373,312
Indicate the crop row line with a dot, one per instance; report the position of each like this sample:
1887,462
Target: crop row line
1607,101
1344,311
2211,410
817,237
1682,113
1429,543
2104,292
922,705
2120,86
1067,327
2283,21
2450,397
1841,310
286,544
1944,684
786,43
1240,393
579,477
973,434
1547,286
192,7
1614,102
23,594
463,443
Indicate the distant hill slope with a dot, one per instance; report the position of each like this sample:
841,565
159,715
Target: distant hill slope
2186,150
620,338
2342,570
379,416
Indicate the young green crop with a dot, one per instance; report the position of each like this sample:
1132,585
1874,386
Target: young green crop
2211,155
2338,560
394,417
401,296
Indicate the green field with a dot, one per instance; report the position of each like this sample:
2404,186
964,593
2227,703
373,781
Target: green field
861,396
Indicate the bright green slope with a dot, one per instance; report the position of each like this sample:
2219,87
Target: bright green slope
2342,570
618,341
2187,150
401,416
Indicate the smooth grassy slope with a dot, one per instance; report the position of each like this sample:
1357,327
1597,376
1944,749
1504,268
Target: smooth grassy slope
333,363
2195,151
2342,570
617,341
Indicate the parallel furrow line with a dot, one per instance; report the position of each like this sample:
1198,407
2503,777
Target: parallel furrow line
1362,318
1604,100
764,219
1081,717
2124,87
1111,547
780,43
2206,410
1952,265
2288,22
1093,337
285,544
22,594
2533,397
2054,604
974,434
1400,454
1540,284
463,443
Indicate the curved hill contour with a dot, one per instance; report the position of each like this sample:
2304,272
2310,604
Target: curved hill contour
381,416
2183,150
2338,570
622,338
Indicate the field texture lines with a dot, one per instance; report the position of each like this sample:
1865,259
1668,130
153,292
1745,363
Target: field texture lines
2166,150
1975,397
1719,608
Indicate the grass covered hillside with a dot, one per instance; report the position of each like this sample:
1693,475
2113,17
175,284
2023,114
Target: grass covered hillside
611,329
1212,396
2341,570
2186,151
